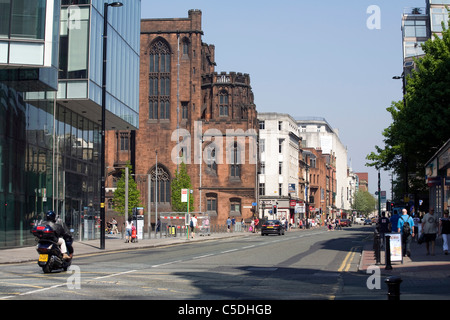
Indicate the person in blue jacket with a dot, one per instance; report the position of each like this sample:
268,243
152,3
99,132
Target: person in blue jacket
408,233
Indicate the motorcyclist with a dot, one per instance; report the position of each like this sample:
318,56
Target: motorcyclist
61,232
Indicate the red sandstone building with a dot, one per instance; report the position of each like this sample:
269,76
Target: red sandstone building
185,105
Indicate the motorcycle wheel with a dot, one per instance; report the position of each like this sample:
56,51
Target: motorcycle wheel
46,268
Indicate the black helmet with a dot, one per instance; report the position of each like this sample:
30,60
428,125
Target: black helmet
50,216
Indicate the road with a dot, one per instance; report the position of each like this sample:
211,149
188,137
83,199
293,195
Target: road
307,264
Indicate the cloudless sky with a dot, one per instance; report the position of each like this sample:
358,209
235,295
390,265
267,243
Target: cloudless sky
310,58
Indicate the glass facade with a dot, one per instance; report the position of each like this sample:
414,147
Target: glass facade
50,151
439,16
28,32
81,56
48,160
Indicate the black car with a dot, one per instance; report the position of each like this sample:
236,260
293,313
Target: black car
272,227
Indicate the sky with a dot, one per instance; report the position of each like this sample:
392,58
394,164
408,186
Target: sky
328,58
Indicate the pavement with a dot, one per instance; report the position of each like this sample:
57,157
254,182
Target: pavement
418,265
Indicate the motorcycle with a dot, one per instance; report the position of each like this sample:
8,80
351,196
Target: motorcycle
50,255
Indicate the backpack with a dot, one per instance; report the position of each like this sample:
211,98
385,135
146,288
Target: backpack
406,227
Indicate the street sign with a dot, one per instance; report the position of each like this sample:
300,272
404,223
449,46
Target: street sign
184,195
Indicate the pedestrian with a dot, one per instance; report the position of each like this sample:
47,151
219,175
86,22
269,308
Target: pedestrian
383,227
405,227
228,224
393,222
429,228
444,231
233,223
128,227
252,226
193,225
114,229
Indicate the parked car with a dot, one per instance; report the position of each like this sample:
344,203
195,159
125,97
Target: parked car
345,223
272,227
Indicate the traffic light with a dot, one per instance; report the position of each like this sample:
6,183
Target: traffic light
274,209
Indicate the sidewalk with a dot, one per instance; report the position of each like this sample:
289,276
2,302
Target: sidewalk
419,265
112,243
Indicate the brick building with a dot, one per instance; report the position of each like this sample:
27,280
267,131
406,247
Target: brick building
322,183
185,104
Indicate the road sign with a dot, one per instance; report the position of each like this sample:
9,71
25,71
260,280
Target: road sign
184,195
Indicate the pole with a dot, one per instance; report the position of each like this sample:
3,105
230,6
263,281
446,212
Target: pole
126,192
102,164
149,203
379,194
156,194
187,234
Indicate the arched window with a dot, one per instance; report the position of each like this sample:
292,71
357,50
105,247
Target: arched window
159,80
235,170
211,158
160,184
223,103
211,202
185,45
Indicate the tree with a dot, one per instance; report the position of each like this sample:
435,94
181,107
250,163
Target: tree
134,195
420,122
181,181
364,202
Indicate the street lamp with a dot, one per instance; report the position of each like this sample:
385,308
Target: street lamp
405,159
102,191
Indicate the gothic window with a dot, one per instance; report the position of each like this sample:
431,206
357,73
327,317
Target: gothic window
223,103
124,141
185,45
235,169
160,185
211,158
159,80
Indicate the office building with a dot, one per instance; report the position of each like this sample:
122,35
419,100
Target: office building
50,108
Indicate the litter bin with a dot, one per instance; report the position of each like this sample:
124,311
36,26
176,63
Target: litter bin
172,232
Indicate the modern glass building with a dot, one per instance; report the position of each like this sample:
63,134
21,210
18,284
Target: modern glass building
50,117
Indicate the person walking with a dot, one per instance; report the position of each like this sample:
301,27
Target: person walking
444,231
393,221
128,227
405,226
429,227
228,224
383,227
193,226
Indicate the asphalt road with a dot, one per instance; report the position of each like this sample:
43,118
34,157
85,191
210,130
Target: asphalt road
301,265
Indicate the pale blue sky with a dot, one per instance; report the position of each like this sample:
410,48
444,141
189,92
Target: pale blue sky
310,58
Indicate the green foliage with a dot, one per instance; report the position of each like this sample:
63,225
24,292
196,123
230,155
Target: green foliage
420,125
364,202
181,181
134,195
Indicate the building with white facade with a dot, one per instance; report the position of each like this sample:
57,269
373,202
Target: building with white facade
279,165
316,132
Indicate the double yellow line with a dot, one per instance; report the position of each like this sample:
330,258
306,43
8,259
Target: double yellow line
345,266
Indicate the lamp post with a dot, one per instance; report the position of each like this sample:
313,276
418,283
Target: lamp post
405,159
102,165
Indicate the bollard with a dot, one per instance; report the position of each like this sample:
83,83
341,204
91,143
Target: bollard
393,284
388,253
376,246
